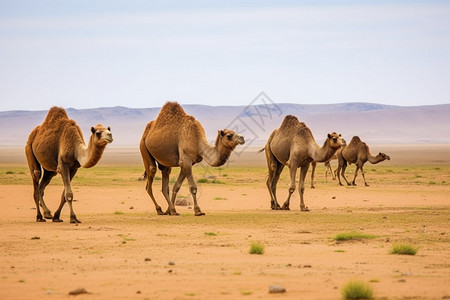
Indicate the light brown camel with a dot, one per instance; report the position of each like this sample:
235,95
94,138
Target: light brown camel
293,145
357,152
57,146
176,139
327,169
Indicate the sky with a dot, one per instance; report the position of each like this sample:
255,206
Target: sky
138,54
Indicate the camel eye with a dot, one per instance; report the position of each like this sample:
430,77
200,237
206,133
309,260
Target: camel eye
98,133
229,136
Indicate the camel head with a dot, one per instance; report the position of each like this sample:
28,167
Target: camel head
383,156
229,139
101,136
336,141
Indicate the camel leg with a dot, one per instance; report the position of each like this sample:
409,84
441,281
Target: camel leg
364,177
271,183
312,174
292,172
301,186
36,173
338,170
328,169
46,178
67,195
35,170
186,168
275,168
343,174
276,177
149,189
177,186
165,171
150,170
354,177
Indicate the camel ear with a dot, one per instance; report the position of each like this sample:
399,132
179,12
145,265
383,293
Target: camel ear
329,136
92,129
222,133
109,128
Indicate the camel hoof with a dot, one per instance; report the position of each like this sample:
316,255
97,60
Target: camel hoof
199,213
285,207
171,213
304,208
313,187
160,212
74,221
40,220
57,220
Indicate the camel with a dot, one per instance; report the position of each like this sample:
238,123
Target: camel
357,152
57,146
293,145
327,170
176,139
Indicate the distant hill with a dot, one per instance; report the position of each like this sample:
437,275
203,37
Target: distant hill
374,123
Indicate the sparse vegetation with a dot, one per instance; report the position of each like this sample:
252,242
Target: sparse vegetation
216,181
256,248
210,233
202,180
347,236
246,293
356,289
404,249
220,198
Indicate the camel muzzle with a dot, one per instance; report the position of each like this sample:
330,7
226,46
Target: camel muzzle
109,139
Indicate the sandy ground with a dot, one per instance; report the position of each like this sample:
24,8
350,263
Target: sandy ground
123,250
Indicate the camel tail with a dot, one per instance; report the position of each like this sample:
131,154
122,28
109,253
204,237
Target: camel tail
260,150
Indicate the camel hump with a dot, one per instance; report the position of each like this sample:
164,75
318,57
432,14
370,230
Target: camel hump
55,114
290,121
172,108
355,140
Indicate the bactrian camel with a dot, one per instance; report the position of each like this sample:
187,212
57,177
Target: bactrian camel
358,153
176,139
293,145
57,146
327,169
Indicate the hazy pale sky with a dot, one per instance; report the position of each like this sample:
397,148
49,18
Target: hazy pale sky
136,53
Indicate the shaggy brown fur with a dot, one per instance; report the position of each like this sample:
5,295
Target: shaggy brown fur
57,146
176,139
293,145
357,152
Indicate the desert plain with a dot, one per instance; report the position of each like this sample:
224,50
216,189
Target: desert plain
124,250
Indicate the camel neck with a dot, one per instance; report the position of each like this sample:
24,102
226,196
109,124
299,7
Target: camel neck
324,153
89,156
215,155
373,159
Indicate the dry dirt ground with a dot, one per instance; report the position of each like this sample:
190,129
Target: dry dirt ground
123,250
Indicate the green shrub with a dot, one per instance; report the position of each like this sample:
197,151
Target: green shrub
404,249
256,248
357,289
202,180
346,236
